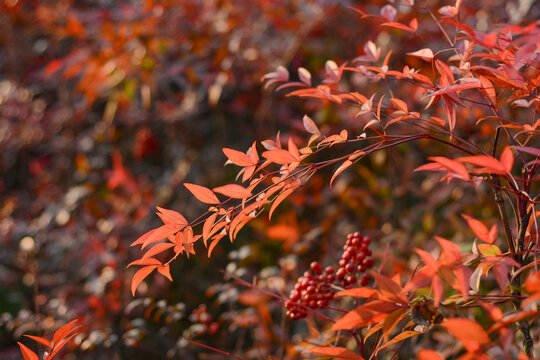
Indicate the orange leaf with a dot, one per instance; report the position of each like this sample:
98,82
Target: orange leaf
278,199
157,249
202,193
400,104
238,157
310,126
27,353
172,216
216,239
208,224
426,354
363,292
340,169
466,330
161,233
142,239
365,315
165,270
146,261
532,284
404,335
391,321
280,156
234,191
334,352
424,54
389,289
140,275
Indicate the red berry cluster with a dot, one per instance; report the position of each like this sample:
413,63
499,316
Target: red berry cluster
203,317
313,290
355,260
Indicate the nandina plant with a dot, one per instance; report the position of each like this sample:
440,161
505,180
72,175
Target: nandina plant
475,93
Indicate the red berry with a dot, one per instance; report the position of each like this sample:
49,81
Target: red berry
316,267
351,279
365,280
342,263
368,252
366,240
349,268
340,274
329,270
368,262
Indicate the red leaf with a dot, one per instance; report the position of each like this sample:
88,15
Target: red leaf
450,252
530,150
397,25
426,354
437,286
489,163
27,353
63,332
140,275
466,330
62,344
334,352
480,230
280,156
40,340
202,193
507,159
234,191
452,165
428,259
238,157
494,312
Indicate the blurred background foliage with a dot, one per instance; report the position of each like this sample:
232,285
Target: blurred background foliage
107,107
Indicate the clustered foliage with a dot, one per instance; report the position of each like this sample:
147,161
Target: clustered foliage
464,98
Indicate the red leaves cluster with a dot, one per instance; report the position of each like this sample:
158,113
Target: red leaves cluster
60,338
